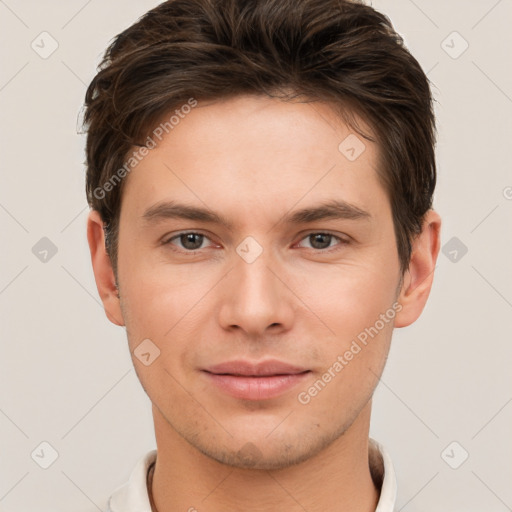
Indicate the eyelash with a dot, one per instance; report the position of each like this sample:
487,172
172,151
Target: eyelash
342,241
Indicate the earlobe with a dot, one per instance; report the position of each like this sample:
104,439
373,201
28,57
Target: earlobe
102,268
418,279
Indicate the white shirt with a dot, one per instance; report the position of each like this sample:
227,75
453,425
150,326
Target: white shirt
133,496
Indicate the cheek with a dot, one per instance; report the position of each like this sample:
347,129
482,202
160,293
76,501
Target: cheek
156,292
165,306
350,300
353,359
349,297
347,381
150,310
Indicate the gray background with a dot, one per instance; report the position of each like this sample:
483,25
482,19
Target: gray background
66,375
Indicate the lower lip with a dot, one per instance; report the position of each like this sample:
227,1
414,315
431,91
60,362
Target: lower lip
256,388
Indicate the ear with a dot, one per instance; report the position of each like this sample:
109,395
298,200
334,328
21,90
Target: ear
102,267
418,279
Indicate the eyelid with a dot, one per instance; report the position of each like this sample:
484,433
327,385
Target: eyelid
341,240
168,239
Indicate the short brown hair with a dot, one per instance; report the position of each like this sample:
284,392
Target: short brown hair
339,51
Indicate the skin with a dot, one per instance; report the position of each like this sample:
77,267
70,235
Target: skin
254,159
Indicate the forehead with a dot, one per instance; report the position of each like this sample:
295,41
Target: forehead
254,152
264,123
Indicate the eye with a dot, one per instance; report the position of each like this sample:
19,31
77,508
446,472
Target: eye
190,241
321,241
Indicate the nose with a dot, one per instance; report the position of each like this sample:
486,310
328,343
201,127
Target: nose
256,298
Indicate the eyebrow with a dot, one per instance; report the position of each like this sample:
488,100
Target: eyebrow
333,209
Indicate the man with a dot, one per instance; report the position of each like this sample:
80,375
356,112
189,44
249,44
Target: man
261,178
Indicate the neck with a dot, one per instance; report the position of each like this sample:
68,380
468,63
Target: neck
336,479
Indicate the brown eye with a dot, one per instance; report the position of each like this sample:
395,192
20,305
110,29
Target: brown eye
322,241
187,242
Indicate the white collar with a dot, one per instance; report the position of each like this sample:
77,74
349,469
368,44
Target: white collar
133,496
388,490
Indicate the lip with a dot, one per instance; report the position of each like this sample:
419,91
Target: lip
255,381
255,369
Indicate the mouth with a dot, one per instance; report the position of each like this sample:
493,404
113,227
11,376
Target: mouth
267,368
260,381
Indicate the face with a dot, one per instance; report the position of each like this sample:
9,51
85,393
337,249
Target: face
256,280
